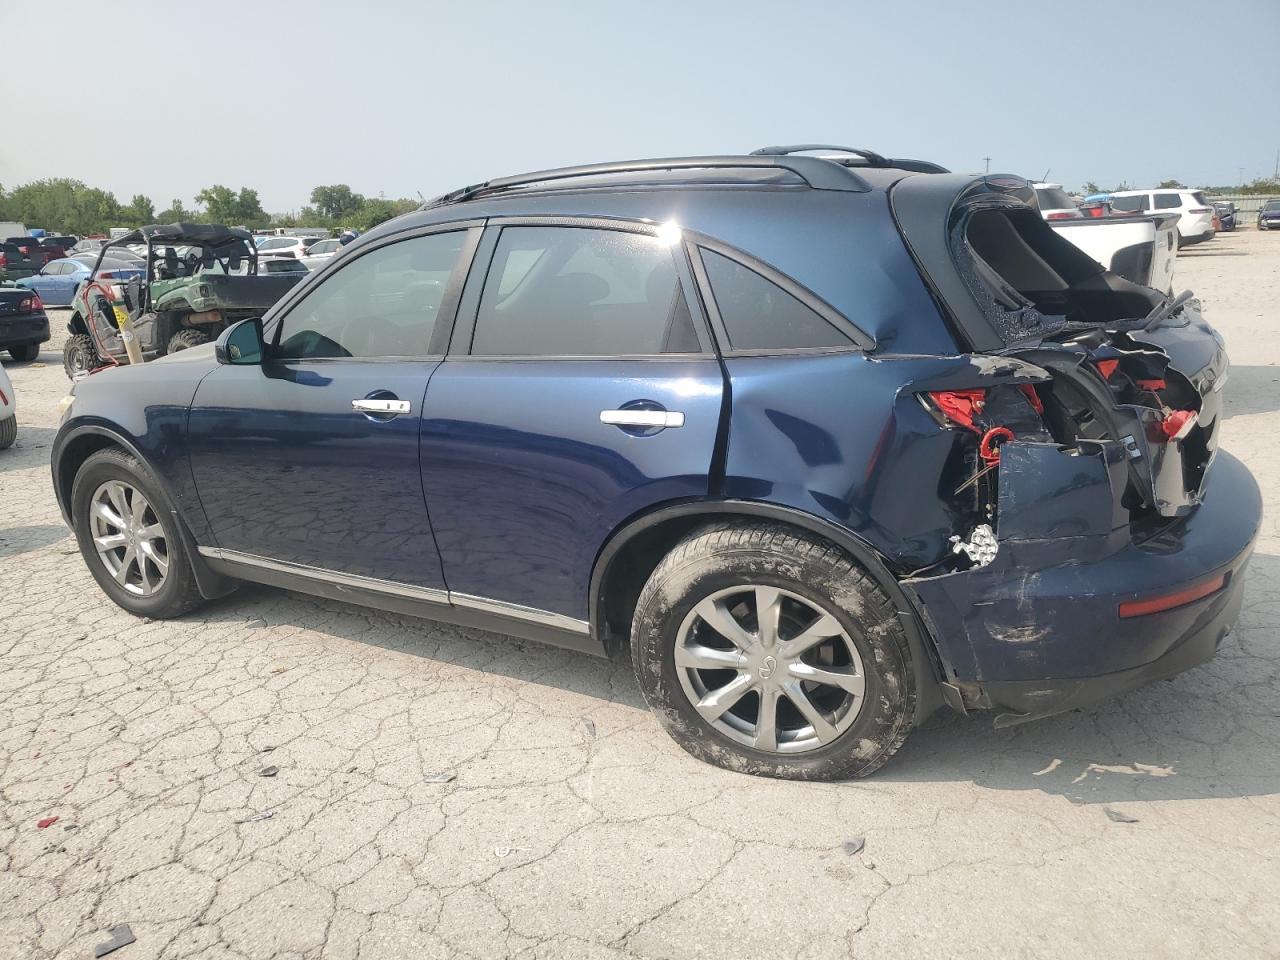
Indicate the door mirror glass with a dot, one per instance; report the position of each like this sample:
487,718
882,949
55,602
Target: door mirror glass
241,343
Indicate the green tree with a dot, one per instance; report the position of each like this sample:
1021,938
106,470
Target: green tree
249,210
1091,187
1171,185
140,211
220,203
337,202
176,213
62,205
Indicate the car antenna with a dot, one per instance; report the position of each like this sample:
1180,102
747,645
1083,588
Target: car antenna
1045,178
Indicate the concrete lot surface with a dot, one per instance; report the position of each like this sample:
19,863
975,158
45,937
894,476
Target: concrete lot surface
572,827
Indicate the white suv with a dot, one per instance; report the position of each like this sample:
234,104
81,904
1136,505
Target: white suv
8,411
1195,222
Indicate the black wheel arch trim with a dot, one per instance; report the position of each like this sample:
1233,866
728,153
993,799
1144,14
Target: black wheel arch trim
932,688
211,583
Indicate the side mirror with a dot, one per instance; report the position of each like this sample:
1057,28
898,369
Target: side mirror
240,343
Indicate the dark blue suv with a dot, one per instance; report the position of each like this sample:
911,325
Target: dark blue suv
826,443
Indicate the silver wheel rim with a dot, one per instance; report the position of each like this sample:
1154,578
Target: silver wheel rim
129,538
770,669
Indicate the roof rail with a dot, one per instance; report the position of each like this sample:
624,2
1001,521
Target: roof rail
817,173
872,158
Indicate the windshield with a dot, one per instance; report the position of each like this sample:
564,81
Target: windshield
1272,205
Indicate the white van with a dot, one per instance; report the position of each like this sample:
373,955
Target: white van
11,228
1195,221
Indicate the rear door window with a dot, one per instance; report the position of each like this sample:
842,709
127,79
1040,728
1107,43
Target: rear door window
759,315
1131,204
1168,201
1053,198
582,292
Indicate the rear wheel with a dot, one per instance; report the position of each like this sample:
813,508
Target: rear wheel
769,651
129,538
26,353
79,355
184,339
8,431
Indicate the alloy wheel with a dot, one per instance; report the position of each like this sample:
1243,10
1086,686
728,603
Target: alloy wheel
129,538
770,669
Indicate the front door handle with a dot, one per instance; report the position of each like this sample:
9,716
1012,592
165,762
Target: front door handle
643,418
381,406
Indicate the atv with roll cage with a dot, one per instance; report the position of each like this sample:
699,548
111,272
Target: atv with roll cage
200,278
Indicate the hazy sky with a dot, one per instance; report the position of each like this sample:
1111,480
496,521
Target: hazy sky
401,97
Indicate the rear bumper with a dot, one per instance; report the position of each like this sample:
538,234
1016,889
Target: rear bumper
1038,630
19,331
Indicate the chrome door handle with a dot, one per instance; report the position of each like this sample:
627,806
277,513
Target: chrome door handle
380,406
642,418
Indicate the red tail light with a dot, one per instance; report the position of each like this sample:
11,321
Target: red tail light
31,304
959,406
1063,215
1140,608
1199,210
4,261
107,275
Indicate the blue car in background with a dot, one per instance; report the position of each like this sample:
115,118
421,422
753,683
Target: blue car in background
820,445
58,280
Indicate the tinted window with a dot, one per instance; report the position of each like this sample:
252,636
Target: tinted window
382,304
1138,202
759,315
572,291
1168,201
1198,196
1053,198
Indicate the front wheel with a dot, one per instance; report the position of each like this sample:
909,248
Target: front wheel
185,339
25,353
8,431
79,355
767,650
129,538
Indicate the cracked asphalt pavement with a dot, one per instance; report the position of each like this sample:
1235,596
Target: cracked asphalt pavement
442,792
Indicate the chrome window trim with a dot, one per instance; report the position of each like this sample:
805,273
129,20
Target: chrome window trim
428,594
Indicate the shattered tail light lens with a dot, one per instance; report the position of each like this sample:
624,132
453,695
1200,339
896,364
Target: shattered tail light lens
31,304
1170,601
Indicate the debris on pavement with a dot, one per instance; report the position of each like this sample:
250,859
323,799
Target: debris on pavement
443,776
121,936
1118,816
503,852
265,815
268,771
46,822
590,725
267,749
855,845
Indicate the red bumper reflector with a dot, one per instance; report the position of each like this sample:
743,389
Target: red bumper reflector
1140,608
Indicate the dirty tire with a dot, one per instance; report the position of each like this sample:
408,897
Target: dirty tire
186,338
8,431
79,355
726,555
25,353
179,593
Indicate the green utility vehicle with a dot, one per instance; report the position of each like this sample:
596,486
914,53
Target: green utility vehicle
199,279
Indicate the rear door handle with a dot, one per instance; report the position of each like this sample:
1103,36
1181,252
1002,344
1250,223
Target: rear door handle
642,418
381,406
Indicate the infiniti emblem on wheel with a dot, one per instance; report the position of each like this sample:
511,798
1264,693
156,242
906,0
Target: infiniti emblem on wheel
767,666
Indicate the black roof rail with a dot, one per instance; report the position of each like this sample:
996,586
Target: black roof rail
872,158
817,173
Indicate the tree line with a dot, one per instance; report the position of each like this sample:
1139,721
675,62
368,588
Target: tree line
70,206
1260,187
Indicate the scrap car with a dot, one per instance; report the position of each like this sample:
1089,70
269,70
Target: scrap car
198,279
821,445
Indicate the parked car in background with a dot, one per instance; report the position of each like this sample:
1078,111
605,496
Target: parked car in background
1269,215
58,281
23,323
274,265
1195,214
1054,202
65,241
284,246
8,412
12,228
20,257
88,244
841,443
321,252
1139,247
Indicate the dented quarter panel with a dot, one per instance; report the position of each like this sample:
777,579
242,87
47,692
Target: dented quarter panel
843,436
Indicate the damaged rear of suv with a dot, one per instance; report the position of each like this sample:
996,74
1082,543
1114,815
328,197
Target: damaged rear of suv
1100,537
